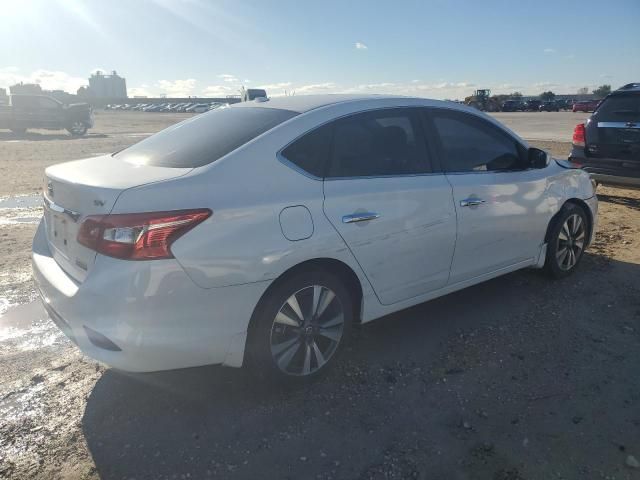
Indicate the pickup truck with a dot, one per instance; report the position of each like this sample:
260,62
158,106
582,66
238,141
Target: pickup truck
39,111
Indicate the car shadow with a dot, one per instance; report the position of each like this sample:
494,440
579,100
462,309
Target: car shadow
224,422
633,203
36,136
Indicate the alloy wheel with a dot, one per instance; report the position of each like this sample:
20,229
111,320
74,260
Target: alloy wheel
78,128
570,242
307,330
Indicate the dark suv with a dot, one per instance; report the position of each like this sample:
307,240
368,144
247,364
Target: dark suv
532,105
608,144
549,107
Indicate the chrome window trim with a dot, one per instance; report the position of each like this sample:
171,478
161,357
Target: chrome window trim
625,125
404,175
484,172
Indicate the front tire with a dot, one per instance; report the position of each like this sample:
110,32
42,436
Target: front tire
300,327
77,129
567,241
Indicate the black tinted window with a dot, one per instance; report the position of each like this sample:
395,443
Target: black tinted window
311,151
205,138
473,145
620,107
385,142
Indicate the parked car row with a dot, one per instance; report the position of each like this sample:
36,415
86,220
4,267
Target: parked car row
548,106
188,107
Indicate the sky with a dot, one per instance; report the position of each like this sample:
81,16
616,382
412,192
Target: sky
427,48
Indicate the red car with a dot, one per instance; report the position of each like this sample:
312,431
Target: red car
585,106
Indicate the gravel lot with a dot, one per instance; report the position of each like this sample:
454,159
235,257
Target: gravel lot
517,378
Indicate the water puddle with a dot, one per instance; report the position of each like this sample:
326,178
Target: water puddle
21,209
27,327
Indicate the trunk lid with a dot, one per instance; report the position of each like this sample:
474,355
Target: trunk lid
76,189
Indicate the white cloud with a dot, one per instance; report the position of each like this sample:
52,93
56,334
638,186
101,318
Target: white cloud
220,90
326,87
47,79
226,77
141,91
549,50
177,88
276,86
361,46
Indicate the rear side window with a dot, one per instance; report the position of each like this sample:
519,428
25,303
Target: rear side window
205,138
471,144
379,143
620,107
311,151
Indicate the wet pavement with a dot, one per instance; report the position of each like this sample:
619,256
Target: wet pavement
21,209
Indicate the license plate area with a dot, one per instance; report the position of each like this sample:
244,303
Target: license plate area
630,135
59,233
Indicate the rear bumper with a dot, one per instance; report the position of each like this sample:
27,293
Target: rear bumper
607,171
152,312
632,182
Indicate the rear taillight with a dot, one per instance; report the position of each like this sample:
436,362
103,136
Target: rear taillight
579,135
138,236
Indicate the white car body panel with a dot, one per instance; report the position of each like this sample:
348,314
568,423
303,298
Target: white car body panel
417,221
268,217
508,228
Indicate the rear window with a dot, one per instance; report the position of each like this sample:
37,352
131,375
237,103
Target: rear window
620,107
205,138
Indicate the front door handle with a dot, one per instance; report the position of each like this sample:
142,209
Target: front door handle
360,217
471,202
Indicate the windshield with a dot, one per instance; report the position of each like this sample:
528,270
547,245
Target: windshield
205,138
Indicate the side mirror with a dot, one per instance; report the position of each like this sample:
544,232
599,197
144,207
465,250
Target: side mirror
537,158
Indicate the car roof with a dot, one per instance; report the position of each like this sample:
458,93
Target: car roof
305,103
633,88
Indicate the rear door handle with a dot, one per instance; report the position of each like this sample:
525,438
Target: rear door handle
471,202
360,217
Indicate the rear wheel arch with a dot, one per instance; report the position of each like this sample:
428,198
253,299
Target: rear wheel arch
338,276
335,267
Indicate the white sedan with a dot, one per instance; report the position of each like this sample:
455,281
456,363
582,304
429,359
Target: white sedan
260,233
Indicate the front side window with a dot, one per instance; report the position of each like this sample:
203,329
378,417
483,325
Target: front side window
205,138
379,143
470,144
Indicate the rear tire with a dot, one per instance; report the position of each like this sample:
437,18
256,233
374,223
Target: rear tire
567,241
300,327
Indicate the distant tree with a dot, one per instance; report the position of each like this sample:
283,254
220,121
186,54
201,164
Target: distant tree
583,91
83,92
516,95
602,91
547,96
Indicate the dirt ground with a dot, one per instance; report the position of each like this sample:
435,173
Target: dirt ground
518,378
